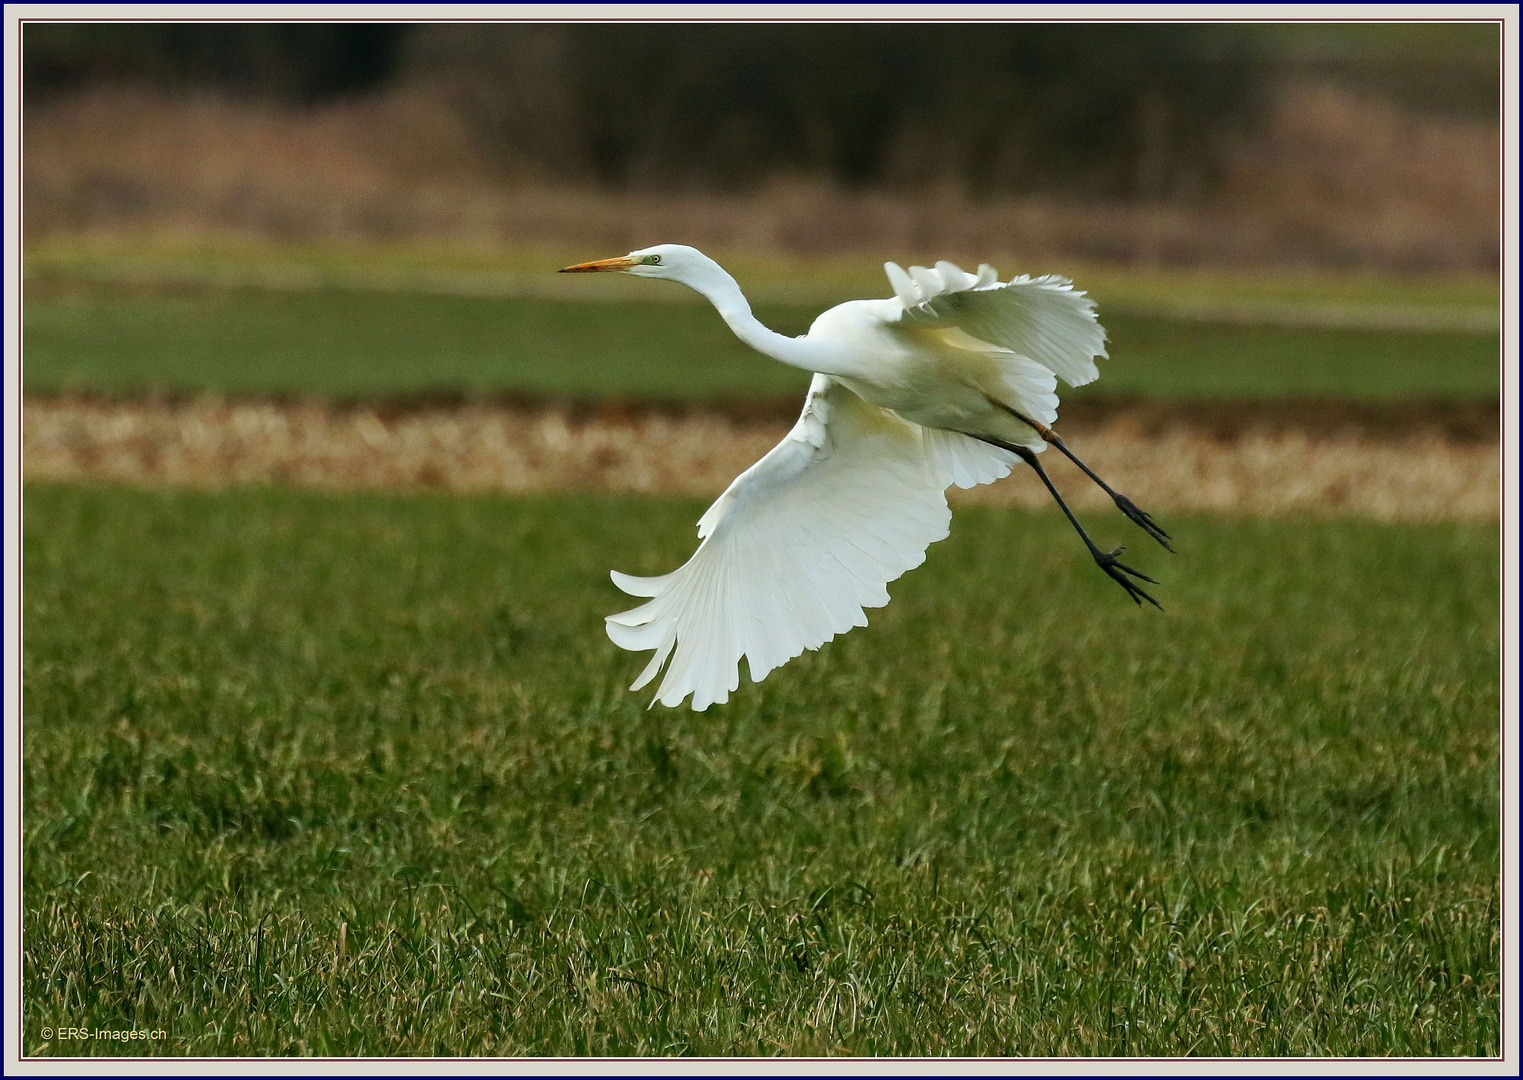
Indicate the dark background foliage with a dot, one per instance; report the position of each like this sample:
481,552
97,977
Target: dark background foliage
1092,110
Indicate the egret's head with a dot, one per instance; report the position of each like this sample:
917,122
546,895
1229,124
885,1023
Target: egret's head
677,262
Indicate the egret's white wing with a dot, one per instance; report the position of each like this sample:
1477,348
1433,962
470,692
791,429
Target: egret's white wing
1042,319
964,461
795,548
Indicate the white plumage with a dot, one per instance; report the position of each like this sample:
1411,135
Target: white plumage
952,381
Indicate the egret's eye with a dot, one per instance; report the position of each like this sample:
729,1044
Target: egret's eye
652,260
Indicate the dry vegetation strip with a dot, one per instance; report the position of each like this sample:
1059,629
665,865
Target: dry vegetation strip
1167,458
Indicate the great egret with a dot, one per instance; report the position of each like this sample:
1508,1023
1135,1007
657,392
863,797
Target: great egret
952,381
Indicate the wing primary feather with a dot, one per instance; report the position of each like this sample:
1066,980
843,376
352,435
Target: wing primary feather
639,586
930,282
904,285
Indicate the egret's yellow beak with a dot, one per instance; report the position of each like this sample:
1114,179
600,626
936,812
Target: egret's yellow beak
623,262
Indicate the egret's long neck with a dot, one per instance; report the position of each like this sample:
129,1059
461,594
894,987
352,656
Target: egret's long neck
731,303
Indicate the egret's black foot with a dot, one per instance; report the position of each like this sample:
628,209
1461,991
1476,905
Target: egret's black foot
1143,520
1118,572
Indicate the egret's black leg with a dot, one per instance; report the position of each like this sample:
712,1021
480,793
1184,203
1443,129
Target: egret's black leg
1142,518
1107,560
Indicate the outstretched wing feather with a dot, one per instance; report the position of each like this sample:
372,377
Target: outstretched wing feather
1043,319
793,552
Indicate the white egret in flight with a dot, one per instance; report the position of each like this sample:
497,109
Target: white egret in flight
952,381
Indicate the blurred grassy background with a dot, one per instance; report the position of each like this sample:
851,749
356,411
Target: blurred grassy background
360,343
375,209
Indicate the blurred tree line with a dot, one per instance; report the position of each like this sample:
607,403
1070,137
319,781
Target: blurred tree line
1144,110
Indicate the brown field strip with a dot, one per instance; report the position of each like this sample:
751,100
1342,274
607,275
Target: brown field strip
1409,462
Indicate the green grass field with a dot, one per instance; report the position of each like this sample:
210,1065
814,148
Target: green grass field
358,775
353,344
191,258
